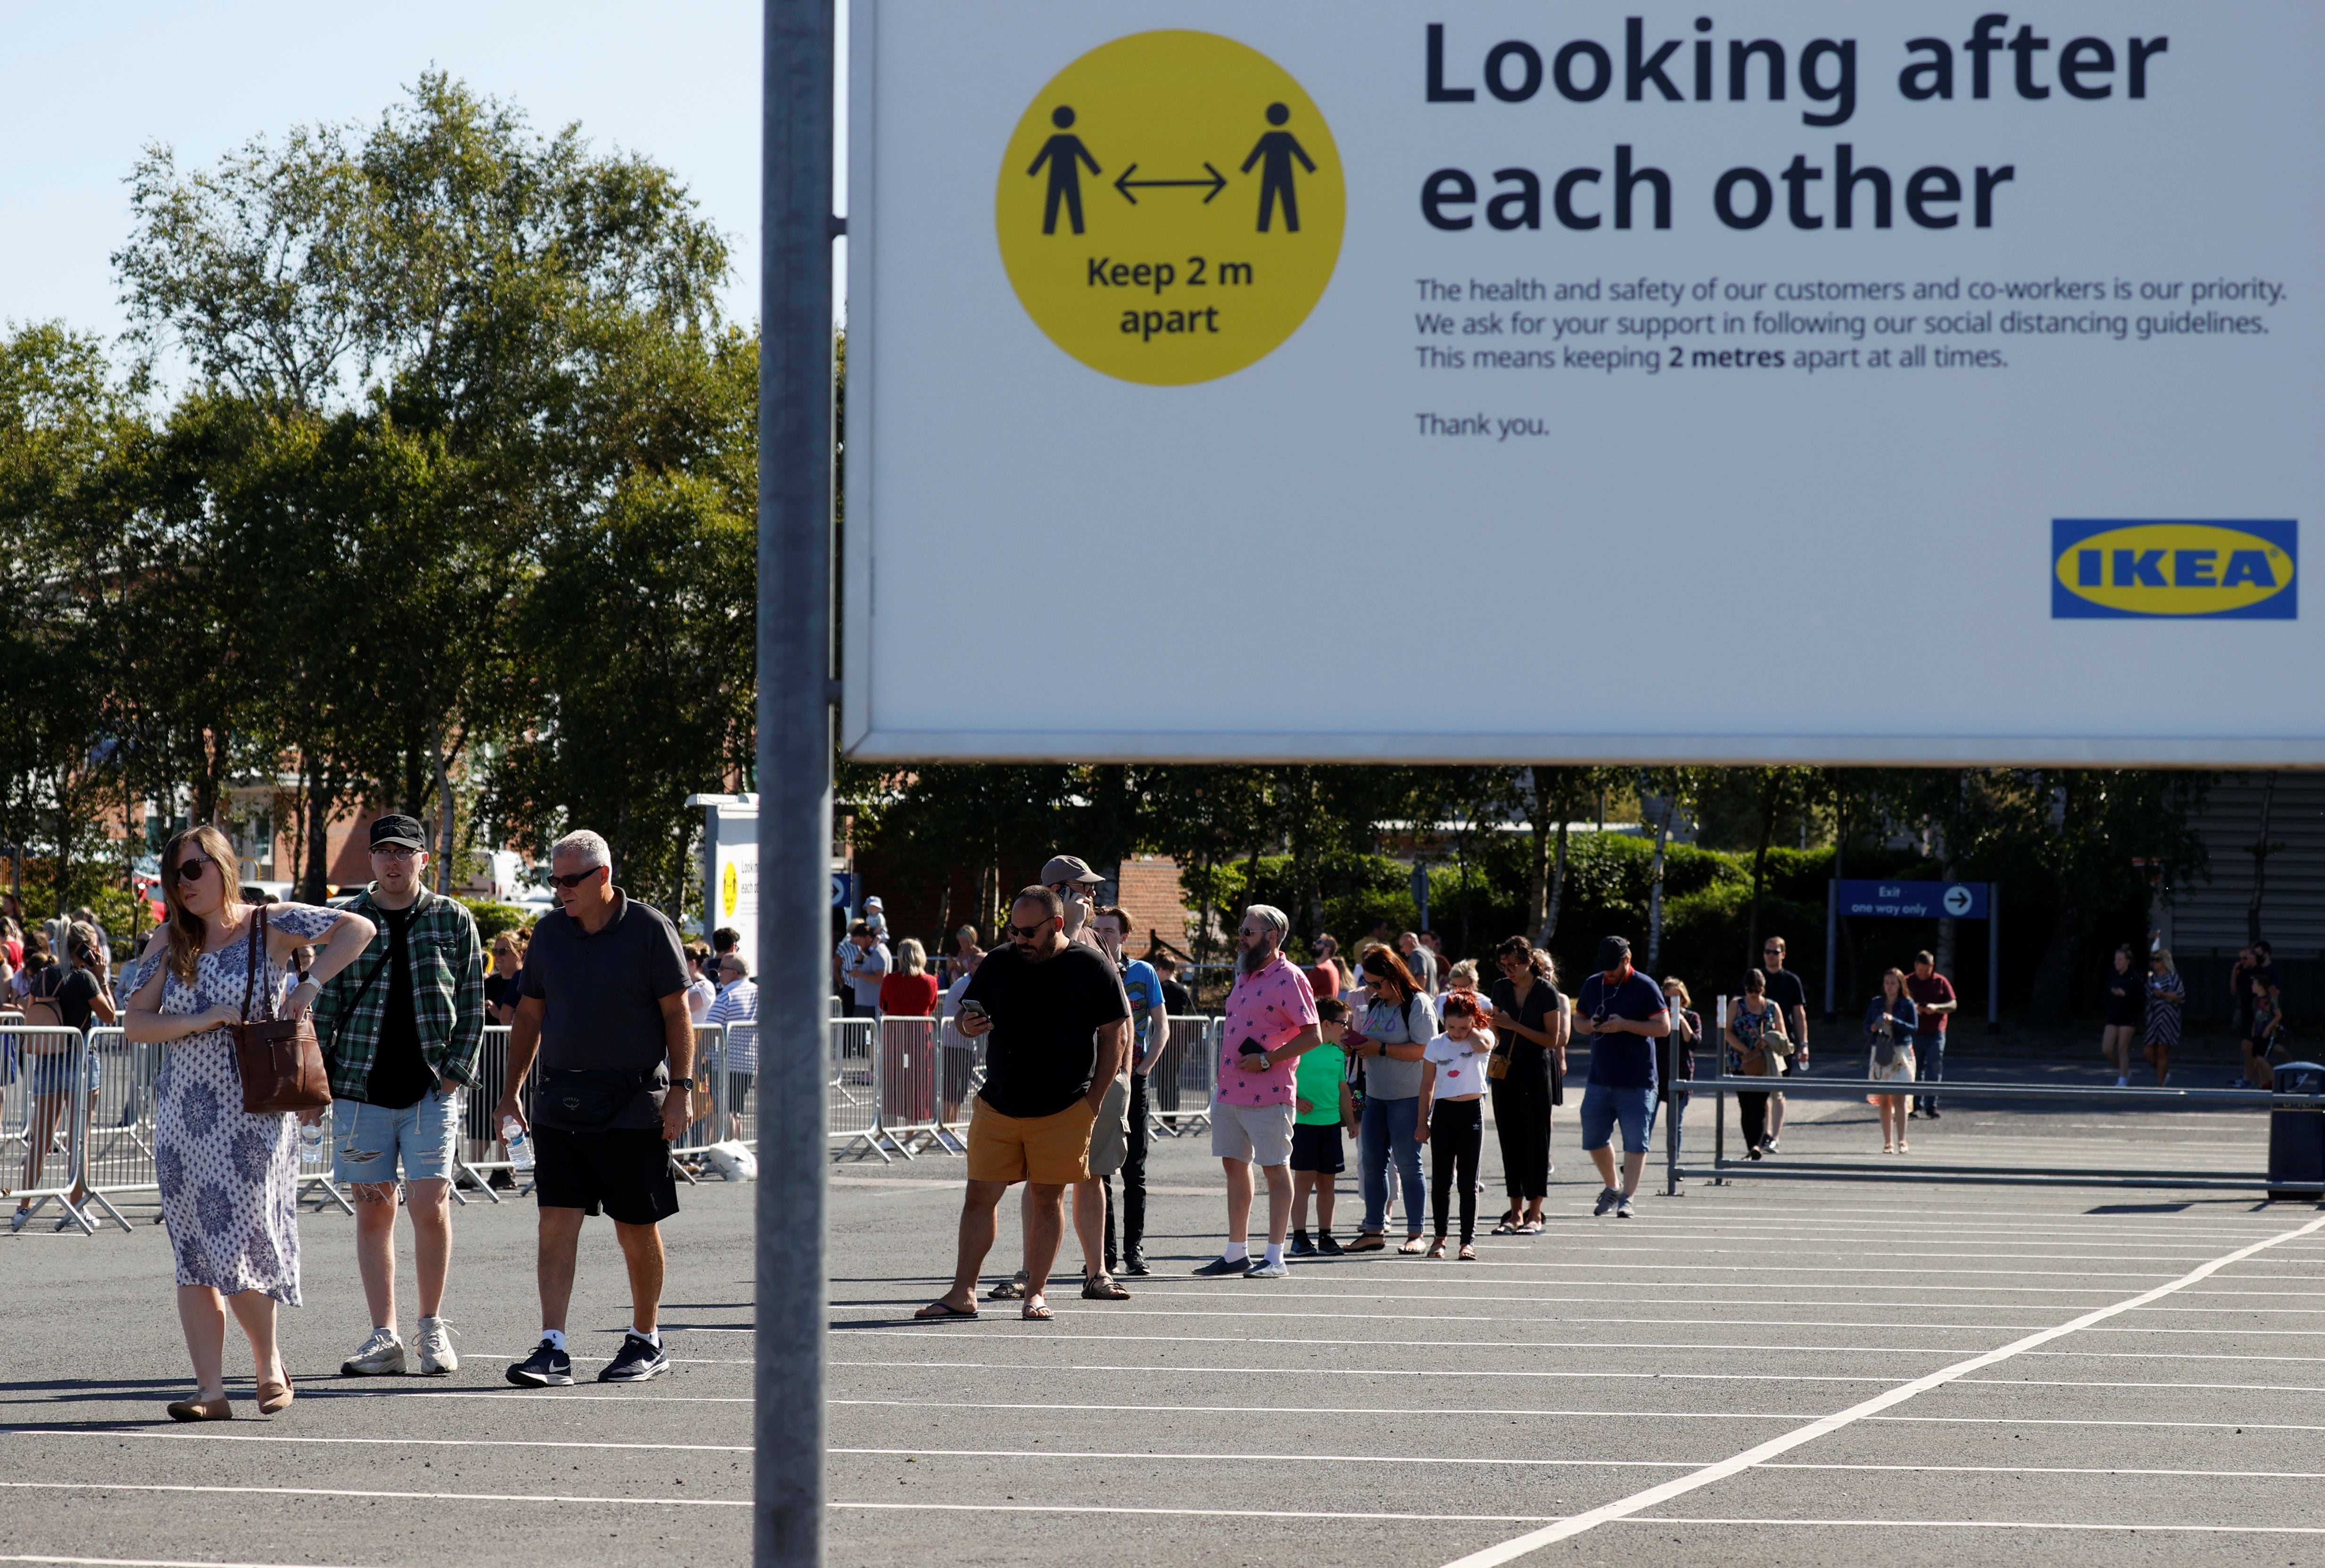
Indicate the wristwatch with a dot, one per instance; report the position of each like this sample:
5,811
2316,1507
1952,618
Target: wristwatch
682,1082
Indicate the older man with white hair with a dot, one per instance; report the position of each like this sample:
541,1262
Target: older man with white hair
1270,1024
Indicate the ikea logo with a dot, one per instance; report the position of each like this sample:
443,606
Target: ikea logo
2104,570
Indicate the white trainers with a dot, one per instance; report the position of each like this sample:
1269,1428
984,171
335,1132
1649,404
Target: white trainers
381,1355
436,1353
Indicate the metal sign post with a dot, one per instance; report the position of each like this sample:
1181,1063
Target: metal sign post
796,694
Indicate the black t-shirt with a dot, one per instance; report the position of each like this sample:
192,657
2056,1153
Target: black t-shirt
501,991
1785,990
1542,1003
399,1073
1043,1051
2127,997
1177,1001
73,996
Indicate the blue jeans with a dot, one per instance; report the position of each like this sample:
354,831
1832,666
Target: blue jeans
1386,1132
366,1139
1604,1105
1929,1054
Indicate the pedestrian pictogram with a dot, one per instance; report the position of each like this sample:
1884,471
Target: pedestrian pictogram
1170,206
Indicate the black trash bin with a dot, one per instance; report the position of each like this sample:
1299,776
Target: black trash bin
2296,1139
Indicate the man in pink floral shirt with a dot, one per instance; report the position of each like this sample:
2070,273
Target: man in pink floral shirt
1270,1023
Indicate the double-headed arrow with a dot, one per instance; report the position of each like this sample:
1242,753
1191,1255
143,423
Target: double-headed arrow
1126,184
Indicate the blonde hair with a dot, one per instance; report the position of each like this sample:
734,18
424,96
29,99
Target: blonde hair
1463,977
2165,955
913,956
187,931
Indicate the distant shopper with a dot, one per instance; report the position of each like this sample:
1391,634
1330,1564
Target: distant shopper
2261,1038
1450,1118
604,1007
1420,960
83,997
1394,1027
737,1009
702,990
500,982
1056,1024
1325,977
1675,1059
1749,1023
402,1032
1791,996
1530,1024
965,955
1621,1013
1935,1004
2167,996
909,990
1890,1020
863,964
2125,1004
1271,1022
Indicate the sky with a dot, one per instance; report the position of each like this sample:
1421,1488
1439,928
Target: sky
676,81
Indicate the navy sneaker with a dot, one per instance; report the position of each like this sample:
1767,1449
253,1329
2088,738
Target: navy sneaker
1301,1247
638,1360
1606,1202
1220,1266
546,1367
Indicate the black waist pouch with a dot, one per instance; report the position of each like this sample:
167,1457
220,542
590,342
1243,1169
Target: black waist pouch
580,1099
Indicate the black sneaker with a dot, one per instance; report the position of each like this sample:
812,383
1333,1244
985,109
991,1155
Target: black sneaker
639,1359
1933,1114
1326,1245
1135,1265
1221,1266
546,1367
1301,1247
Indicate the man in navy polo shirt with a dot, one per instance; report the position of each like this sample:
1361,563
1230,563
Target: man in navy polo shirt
1621,1013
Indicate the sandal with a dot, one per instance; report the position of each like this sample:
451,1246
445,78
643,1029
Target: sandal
1007,1290
1888,1149
1036,1312
1367,1241
1436,1251
1101,1286
1904,1148
1468,1254
1412,1245
942,1308
1509,1225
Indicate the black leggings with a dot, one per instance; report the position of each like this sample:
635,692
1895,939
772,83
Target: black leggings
1751,1110
1456,1131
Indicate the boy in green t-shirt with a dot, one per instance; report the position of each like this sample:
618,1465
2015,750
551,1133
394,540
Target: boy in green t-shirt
1324,1106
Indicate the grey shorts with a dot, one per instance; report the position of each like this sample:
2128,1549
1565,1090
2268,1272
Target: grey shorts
1258,1134
1110,1134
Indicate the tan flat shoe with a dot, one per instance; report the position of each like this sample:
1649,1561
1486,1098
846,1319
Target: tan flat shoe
200,1410
273,1396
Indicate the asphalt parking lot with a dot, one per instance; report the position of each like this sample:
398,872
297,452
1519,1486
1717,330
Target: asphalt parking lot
1774,1371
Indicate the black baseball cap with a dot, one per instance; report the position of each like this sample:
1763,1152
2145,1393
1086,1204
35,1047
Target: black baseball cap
1614,952
402,830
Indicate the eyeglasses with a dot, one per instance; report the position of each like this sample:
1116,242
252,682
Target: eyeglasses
1025,932
191,870
394,851
575,879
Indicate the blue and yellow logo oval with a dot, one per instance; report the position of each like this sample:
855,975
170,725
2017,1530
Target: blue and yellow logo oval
2176,570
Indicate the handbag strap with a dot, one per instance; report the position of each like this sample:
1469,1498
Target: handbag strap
250,968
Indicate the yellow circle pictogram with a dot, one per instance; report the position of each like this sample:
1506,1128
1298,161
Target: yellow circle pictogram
1171,208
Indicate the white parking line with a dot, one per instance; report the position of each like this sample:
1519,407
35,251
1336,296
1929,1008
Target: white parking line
371,1442
143,1562
1055,1336
1654,1497
1199,1513
1981,1525
2056,1470
1143,1407
321,1491
1154,1371
1272,1458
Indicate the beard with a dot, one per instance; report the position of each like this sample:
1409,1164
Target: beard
1252,960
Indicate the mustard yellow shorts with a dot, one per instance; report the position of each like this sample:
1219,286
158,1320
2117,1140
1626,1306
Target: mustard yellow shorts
1052,1148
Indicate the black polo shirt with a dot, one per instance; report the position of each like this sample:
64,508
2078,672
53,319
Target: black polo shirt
603,995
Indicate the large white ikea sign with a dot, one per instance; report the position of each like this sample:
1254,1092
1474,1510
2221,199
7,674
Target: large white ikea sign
1359,379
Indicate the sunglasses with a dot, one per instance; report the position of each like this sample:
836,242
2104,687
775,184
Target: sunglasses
575,879
1025,932
190,871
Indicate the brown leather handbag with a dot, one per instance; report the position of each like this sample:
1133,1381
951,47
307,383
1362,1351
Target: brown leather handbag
280,1059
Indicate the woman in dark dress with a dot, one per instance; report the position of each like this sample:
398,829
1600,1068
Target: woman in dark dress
1530,1021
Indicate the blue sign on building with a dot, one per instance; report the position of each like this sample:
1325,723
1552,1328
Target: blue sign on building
1913,900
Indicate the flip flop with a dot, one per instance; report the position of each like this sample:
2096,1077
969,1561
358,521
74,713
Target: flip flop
1370,1241
938,1309
1412,1244
1037,1313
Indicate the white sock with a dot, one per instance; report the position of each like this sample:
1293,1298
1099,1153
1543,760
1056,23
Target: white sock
1275,1252
555,1336
1237,1252
654,1339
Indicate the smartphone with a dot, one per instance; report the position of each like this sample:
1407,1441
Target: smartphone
974,1009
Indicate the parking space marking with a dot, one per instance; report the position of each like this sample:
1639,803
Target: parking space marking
1984,1525
141,1562
1199,1513
319,1491
1361,1371
1078,1337
2068,1421
936,1331
1654,1497
1145,1408
2056,1470
417,1441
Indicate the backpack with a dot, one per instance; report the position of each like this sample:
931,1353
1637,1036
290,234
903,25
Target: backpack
41,1010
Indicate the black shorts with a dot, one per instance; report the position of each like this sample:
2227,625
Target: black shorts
1317,1147
624,1170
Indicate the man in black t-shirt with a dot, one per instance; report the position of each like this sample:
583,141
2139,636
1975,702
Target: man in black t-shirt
1790,999
1056,1024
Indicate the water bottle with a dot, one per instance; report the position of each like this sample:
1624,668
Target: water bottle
520,1147
310,1143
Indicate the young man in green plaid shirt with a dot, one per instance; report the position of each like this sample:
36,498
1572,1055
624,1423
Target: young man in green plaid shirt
402,1028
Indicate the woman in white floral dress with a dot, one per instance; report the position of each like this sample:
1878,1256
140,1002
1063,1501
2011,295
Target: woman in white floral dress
229,1180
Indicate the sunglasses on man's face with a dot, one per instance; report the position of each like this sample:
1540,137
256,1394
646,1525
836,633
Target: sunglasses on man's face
575,879
1024,933
190,869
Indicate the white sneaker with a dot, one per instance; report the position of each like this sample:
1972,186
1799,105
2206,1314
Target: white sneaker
436,1353
381,1355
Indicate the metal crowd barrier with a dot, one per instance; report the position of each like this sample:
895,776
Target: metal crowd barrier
482,1152
43,1109
1185,1072
116,1154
